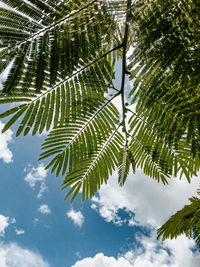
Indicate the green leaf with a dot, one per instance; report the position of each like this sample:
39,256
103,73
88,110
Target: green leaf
184,221
20,111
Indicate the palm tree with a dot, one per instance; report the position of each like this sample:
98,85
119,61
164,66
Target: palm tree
60,57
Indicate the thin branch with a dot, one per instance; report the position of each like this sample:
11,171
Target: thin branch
124,70
113,88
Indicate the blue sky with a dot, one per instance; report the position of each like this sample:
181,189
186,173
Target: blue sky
116,228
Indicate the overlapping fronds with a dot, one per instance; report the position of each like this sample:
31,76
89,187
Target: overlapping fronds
78,139
185,221
156,157
44,109
164,65
50,41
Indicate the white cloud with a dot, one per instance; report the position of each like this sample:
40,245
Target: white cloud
150,253
12,255
43,188
4,223
13,220
109,214
94,206
44,209
37,176
102,261
170,253
151,202
19,232
5,138
118,103
76,216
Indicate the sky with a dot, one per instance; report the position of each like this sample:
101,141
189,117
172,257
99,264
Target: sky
117,228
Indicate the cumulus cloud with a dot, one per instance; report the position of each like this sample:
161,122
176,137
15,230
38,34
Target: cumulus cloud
150,253
13,255
37,175
171,253
151,202
109,214
77,217
100,260
5,153
44,209
19,232
4,223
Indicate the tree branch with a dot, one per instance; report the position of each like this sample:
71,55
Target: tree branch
124,70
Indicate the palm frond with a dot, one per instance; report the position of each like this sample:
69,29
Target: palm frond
94,169
166,86
61,56
55,46
44,109
79,137
185,221
155,156
126,159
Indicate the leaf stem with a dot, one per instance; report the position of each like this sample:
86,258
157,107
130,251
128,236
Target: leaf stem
124,71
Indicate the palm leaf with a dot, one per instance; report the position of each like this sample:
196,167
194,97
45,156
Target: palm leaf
79,136
77,87
185,221
94,170
61,55
155,156
126,159
54,31
164,67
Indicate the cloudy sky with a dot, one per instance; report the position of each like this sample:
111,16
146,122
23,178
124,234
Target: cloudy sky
117,228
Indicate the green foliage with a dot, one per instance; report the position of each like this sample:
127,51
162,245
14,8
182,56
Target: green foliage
126,159
165,67
156,156
94,169
60,57
185,221
79,136
52,42
48,107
